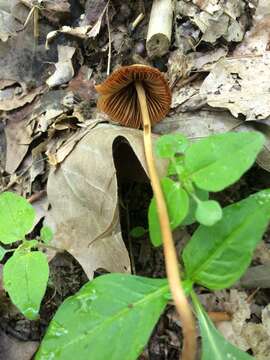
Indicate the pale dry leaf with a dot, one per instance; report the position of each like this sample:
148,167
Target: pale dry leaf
257,39
199,124
12,348
10,99
59,149
49,106
64,69
240,85
83,196
258,340
80,32
215,18
266,318
239,308
8,25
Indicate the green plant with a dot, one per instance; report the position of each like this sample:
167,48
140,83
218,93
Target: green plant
113,316
26,272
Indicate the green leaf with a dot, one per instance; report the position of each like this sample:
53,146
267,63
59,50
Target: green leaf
16,217
138,232
177,204
217,256
2,253
110,318
168,145
203,196
214,345
176,166
25,279
208,212
46,234
219,160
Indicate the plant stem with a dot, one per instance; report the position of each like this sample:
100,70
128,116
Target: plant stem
171,261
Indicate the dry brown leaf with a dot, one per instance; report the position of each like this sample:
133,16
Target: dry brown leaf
83,196
82,85
240,85
18,137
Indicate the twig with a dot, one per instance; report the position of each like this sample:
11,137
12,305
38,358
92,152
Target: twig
110,40
36,196
136,22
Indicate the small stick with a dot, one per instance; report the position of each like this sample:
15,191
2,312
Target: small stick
171,261
110,40
136,22
218,316
36,196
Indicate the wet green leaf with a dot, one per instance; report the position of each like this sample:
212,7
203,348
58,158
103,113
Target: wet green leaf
168,145
2,253
217,256
177,202
219,160
214,345
25,278
208,212
111,317
16,217
203,196
46,234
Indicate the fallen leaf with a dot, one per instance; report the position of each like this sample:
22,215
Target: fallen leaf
18,137
199,124
8,25
12,349
11,98
240,85
59,149
257,39
83,196
215,18
64,69
23,62
82,85
48,107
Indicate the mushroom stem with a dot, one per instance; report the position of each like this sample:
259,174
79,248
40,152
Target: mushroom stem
171,261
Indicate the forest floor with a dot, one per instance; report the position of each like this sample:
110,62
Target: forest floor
218,67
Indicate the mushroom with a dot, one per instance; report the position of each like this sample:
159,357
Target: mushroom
136,96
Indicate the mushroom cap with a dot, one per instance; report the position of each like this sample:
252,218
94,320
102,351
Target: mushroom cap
119,99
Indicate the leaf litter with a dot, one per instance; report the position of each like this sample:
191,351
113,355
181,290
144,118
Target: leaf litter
218,69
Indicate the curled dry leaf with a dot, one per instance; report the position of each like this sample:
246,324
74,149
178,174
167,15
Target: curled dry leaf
240,85
83,196
18,137
64,69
